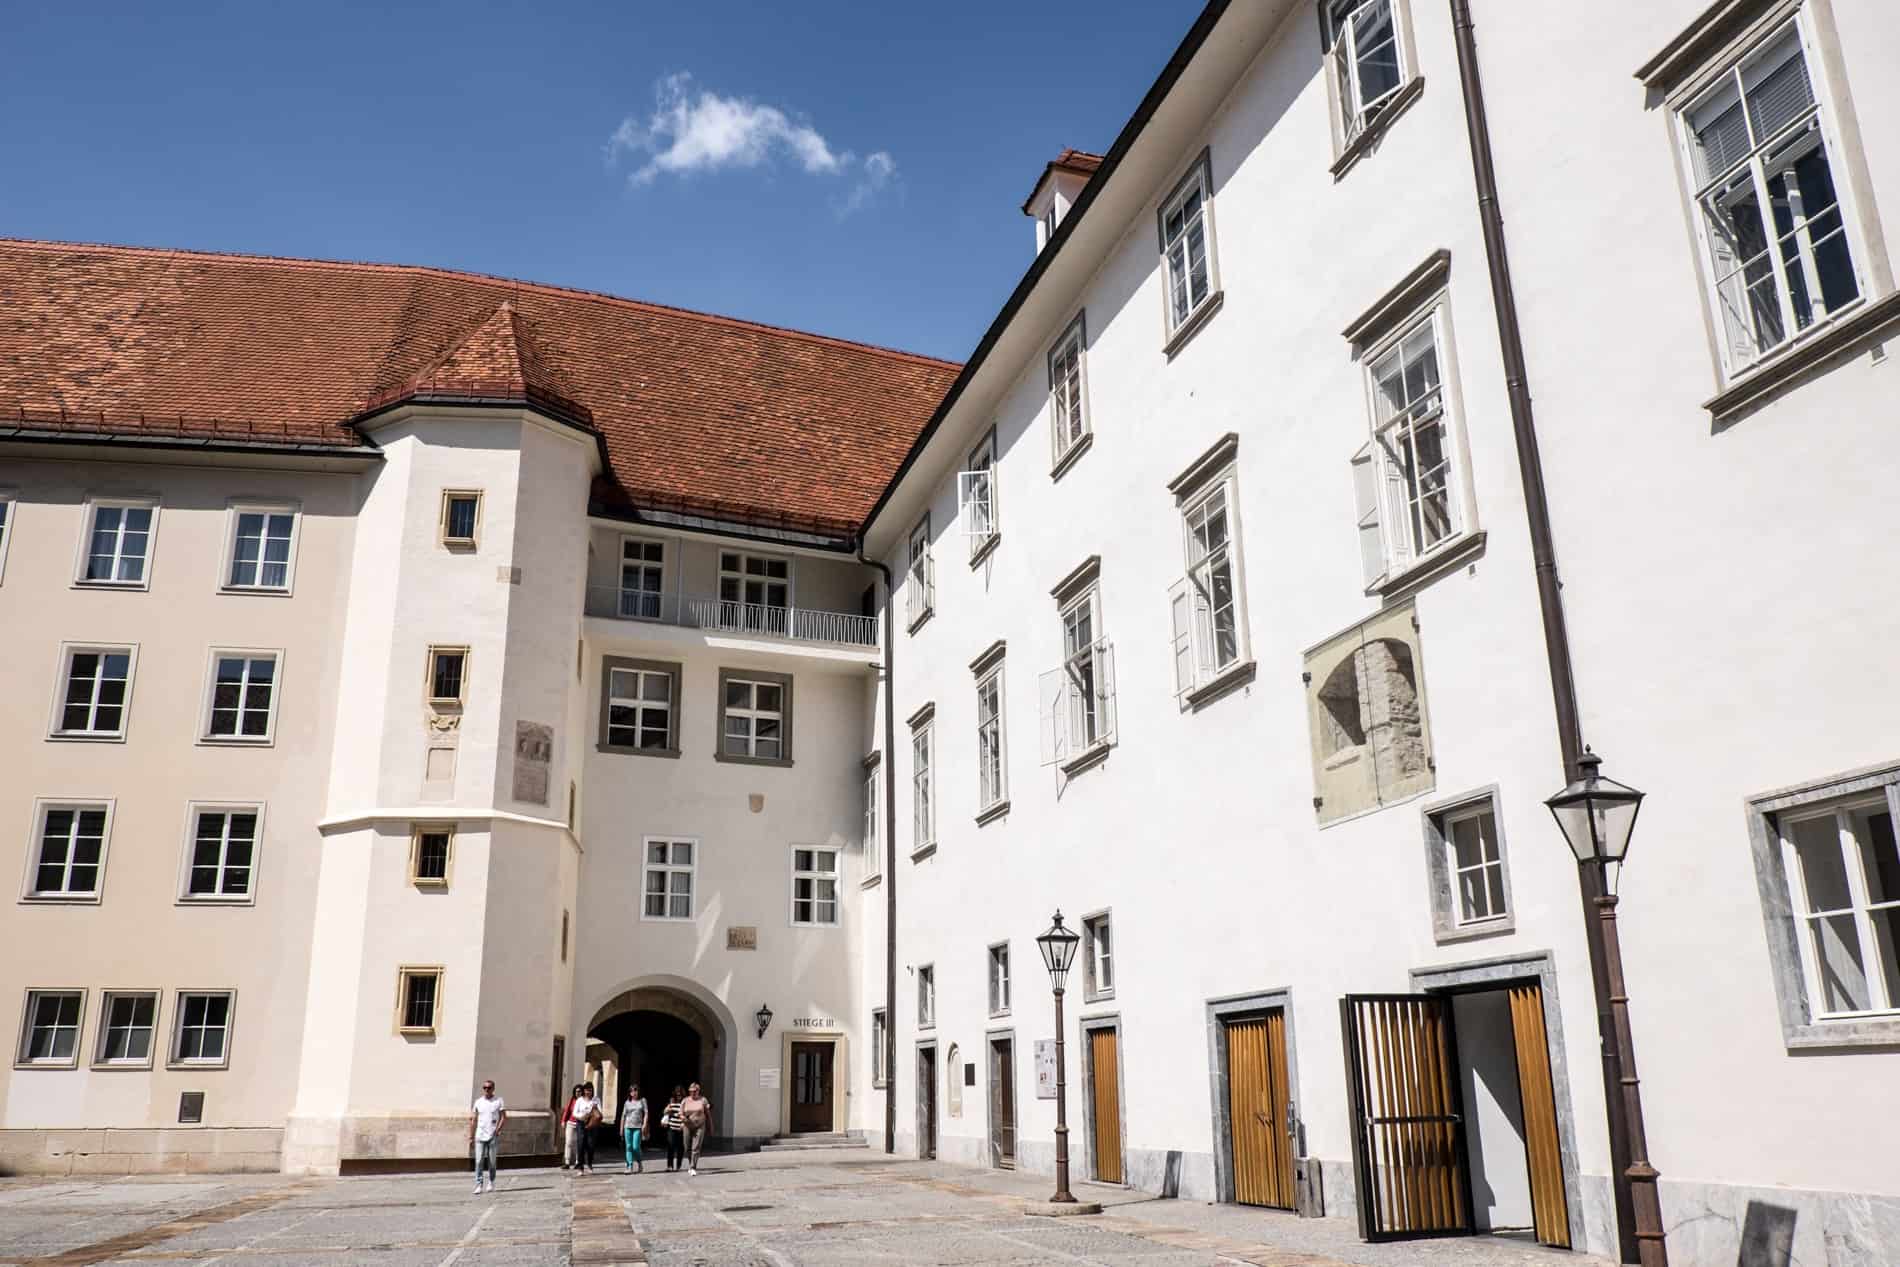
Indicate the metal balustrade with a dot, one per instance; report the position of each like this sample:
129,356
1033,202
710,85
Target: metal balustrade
717,615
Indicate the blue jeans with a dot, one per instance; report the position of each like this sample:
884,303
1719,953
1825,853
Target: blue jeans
485,1156
632,1134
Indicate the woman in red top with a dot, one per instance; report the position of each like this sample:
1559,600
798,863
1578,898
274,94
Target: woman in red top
569,1138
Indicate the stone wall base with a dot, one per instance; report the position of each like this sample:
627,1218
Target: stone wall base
158,1150
329,1145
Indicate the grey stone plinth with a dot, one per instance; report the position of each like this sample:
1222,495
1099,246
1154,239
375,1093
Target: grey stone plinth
1061,1209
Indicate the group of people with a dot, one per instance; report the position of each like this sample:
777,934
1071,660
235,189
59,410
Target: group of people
685,1119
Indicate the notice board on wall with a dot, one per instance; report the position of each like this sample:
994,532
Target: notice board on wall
1045,1068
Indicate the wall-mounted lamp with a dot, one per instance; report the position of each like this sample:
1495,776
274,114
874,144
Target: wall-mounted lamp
764,1017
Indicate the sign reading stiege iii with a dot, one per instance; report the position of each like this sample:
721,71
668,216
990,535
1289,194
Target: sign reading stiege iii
534,753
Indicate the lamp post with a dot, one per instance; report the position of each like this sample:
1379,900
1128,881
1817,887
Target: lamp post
1058,952
1596,816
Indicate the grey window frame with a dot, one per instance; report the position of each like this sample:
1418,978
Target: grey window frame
880,1035
998,999
677,672
926,994
1435,820
1092,990
21,1045
781,680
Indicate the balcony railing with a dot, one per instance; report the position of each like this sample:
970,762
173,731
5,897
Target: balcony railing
759,620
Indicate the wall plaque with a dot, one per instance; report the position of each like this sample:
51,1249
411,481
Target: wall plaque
1045,1068
768,1079
742,937
534,752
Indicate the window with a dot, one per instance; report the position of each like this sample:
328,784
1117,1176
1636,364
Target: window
1471,883
923,799
6,529
448,672
755,717
223,853
642,577
926,996
1844,873
241,706
638,707
1068,410
873,850
669,878
418,997
564,936
431,846
1187,247
991,762
755,591
70,857
1762,157
999,979
49,1029
814,886
201,1032
118,543
1406,480
1207,615
1368,60
1078,704
1371,735
880,1039
976,498
262,543
130,1017
461,518
920,592
1098,960
96,690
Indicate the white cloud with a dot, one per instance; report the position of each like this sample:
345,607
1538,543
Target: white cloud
693,129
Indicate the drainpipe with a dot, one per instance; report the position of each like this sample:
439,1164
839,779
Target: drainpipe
888,863
1563,686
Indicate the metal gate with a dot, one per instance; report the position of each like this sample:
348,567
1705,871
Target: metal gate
1408,1128
1259,1110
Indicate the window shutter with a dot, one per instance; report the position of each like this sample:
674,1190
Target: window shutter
1054,687
976,503
1178,609
1365,491
1394,512
1105,691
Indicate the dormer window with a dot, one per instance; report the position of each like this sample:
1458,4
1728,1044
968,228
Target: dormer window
1058,189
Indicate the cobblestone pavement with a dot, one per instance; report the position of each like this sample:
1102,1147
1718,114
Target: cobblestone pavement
815,1208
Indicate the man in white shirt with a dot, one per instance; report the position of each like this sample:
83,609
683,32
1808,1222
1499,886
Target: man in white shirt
485,1121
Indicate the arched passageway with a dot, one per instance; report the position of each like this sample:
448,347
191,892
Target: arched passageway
662,1037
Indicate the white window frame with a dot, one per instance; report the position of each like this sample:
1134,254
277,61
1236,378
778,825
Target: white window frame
669,868
234,514
67,650
1198,178
1449,922
93,506
1099,733
920,586
923,786
1068,392
1822,118
640,705
1193,616
188,859
23,1044
873,829
976,498
741,576
1356,115
1389,539
640,603
992,750
880,1031
755,714
428,680
103,1037
9,524
474,538
1098,956
997,968
419,972
208,705
816,877
175,1058
1883,997
43,806
926,996
416,832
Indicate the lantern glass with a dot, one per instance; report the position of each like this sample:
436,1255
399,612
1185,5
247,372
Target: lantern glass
1058,951
1596,815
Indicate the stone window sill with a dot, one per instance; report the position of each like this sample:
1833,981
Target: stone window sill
1192,326
625,750
1088,758
1446,933
1368,138
923,851
1434,565
871,881
985,550
917,621
994,812
1871,1031
1807,354
1069,459
1228,680
730,759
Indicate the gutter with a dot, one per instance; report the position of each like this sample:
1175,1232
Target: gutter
1131,131
888,864
1563,684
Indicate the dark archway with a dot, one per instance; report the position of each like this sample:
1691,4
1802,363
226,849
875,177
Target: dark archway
656,1051
664,1032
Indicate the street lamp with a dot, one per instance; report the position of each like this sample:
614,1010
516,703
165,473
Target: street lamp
1058,952
764,1017
1596,816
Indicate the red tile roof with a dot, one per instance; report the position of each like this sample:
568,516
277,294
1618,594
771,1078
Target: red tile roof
699,413
1080,162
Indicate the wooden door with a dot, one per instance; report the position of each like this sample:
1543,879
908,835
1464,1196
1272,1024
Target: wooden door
1259,1110
1105,1081
1003,1102
1538,1097
811,1087
927,1103
1408,1130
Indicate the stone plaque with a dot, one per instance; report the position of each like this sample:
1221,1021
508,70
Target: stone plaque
534,753
743,937
1045,1068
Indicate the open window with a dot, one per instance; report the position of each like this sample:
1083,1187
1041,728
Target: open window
976,499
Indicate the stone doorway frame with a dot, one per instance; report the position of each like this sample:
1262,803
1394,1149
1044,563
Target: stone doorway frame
1238,1007
837,1040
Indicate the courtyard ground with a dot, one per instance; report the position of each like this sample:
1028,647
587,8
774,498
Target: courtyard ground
823,1207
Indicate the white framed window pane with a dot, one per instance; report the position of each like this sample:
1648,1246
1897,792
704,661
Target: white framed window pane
202,1026
52,1026
72,841
129,1022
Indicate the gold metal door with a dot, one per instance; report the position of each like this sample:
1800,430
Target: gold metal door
1258,1110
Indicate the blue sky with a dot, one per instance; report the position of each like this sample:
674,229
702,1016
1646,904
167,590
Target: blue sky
850,168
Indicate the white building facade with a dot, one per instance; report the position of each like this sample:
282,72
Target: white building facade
1253,585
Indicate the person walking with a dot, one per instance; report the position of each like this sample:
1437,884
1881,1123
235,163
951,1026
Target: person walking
570,1143
697,1110
674,1125
586,1115
485,1120
633,1124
